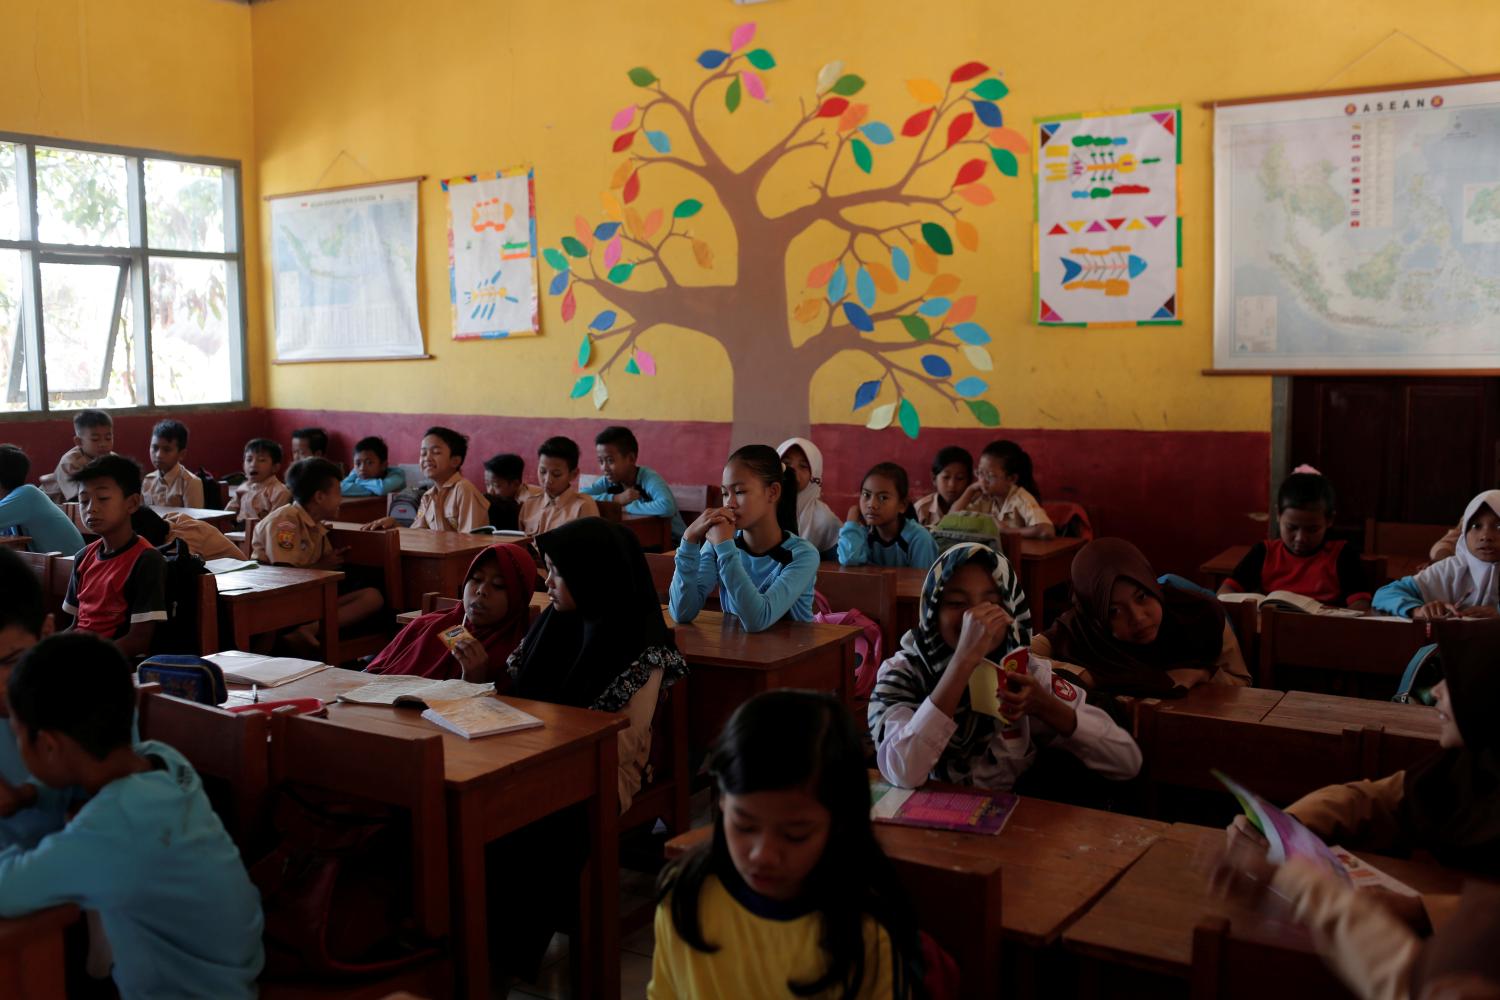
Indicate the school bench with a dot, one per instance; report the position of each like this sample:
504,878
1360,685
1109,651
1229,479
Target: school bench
1338,655
275,598
21,543
32,962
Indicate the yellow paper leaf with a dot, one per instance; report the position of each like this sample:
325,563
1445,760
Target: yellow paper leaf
807,310
612,207
979,357
634,224
943,284
704,253
925,257
622,174
967,233
885,278
925,91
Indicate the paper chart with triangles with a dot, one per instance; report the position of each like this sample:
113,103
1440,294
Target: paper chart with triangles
1108,249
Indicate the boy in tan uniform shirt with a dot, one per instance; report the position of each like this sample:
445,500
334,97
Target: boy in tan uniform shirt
559,500
452,503
93,437
261,492
171,484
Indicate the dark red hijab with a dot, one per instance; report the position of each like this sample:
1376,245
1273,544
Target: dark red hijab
417,649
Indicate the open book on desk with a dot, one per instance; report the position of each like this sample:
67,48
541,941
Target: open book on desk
418,692
1285,600
264,671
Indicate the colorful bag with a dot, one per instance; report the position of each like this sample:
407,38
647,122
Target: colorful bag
190,678
869,645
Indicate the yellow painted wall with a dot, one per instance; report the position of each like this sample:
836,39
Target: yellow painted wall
452,87
170,75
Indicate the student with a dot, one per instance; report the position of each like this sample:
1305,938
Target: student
28,810
261,492
1126,634
28,511
1006,491
309,442
118,586
815,521
952,474
880,531
294,535
171,483
763,571
494,608
559,501
1301,560
372,475
920,715
146,850
452,503
503,485
1466,584
635,488
93,437
793,894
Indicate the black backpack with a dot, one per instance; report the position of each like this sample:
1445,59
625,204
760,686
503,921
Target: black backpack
179,633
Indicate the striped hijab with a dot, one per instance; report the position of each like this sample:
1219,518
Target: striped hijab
926,656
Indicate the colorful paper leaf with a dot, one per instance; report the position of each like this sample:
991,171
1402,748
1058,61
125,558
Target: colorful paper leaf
962,309
622,119
979,358
703,254
632,188
807,310
829,75
880,417
838,284
944,284
605,230
761,59
884,279
712,58
601,393
634,224
556,259
1009,138
585,351
858,318
866,393
901,263
906,416
622,142
659,141
631,368
990,90
917,123
742,36
641,76
611,204
620,273
936,366
732,95
970,172
971,333
976,194
852,116
862,157
970,387
1005,162
984,411
937,238
687,208
958,128
917,327
933,308
574,247
582,387
559,282
864,288
646,361
754,86
653,222
849,85
927,261
832,107
581,227
967,233
569,306
621,175
878,132
819,275
968,71
612,251
988,113
924,91
604,321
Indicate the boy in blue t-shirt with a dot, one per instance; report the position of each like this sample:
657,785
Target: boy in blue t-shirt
146,851
637,489
26,510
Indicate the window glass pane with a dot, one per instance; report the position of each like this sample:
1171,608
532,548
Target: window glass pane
81,197
88,344
190,342
10,219
184,206
12,358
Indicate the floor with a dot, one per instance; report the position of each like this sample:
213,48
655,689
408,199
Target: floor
636,891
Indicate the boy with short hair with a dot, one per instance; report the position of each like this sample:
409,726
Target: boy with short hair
26,510
503,485
637,489
309,442
372,475
261,492
172,484
93,437
119,584
452,503
559,500
146,851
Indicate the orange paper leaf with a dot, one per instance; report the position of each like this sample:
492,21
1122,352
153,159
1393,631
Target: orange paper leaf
818,276
612,207
976,194
634,224
885,278
704,254
585,234
943,284
926,259
1009,138
807,310
622,174
967,233
961,310
653,222
852,117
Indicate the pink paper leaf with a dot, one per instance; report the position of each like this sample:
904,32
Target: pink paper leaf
612,252
742,36
645,362
622,119
753,85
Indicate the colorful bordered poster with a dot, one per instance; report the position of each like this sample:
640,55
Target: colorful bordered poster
1108,229
492,254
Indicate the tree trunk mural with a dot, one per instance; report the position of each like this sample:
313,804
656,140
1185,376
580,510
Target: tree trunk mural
881,292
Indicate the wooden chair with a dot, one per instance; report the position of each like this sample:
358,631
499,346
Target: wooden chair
378,550
433,601
1398,538
57,592
206,615
227,747
694,500
1244,621
957,899
247,541
872,593
1335,655
41,564
666,795
663,565
1227,966
405,772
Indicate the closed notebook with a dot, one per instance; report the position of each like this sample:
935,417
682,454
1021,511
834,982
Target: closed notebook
265,671
472,718
414,691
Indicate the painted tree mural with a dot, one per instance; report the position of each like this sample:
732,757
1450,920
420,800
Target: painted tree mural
880,288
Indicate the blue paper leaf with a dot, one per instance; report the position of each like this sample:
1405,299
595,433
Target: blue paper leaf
605,230
603,321
936,366
559,283
935,307
712,58
970,387
838,285
900,263
858,318
866,393
864,287
659,141
878,132
988,113
971,333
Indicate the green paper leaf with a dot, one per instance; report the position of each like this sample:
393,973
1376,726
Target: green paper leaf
984,411
687,208
761,59
642,77
631,368
574,247
582,387
556,259
1005,161
620,273
732,95
990,90
862,158
917,327
937,237
906,416
848,85
585,351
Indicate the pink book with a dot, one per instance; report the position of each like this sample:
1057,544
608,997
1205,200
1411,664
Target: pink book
967,811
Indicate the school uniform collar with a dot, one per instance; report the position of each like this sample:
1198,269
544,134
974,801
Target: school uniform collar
168,478
777,553
875,538
105,554
561,498
763,906
452,480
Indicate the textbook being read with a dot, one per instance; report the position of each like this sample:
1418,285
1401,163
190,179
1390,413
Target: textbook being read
417,692
265,671
472,718
1286,837
970,811
1285,600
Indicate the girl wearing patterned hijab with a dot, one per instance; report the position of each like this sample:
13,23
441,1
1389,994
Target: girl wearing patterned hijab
920,714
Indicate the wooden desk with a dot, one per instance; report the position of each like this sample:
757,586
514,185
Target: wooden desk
32,965
271,598
1044,565
1408,733
654,533
221,519
909,580
362,510
435,561
22,542
1218,569
499,784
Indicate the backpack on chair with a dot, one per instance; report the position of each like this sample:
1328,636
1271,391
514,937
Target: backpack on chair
1421,675
869,646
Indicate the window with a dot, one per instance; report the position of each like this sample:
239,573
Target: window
121,272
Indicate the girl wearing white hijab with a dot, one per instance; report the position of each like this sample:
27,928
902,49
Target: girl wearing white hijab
815,521
1466,584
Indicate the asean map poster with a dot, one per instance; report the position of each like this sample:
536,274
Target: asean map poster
492,254
1108,246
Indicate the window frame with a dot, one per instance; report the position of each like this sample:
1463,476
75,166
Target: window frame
137,278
